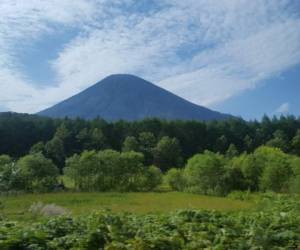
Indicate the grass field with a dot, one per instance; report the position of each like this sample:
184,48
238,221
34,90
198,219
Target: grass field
16,207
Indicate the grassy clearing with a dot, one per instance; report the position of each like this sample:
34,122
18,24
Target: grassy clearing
16,207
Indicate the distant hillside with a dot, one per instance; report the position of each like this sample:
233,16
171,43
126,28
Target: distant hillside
129,98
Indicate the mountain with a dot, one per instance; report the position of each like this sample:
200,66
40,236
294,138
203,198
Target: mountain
129,97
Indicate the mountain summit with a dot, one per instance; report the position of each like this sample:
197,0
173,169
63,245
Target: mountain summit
130,98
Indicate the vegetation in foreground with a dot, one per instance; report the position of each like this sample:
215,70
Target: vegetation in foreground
274,226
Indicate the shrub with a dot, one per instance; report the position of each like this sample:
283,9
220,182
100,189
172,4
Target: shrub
84,170
276,169
294,184
38,173
151,178
273,227
205,173
5,159
240,195
175,179
167,153
251,171
106,170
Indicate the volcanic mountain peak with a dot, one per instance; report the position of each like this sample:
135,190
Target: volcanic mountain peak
128,97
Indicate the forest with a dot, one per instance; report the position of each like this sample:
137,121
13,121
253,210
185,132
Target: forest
213,158
61,138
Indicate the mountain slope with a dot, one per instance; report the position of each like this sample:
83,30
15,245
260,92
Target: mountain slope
129,97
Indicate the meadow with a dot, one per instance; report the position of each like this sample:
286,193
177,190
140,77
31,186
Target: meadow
273,223
17,207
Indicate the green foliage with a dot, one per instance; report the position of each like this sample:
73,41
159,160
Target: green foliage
37,173
295,179
279,140
54,150
19,133
167,153
111,170
176,179
276,169
250,170
92,139
221,144
205,173
233,179
158,141
129,171
82,169
232,151
130,144
147,143
37,148
151,178
5,159
274,227
10,178
296,143
240,195
248,143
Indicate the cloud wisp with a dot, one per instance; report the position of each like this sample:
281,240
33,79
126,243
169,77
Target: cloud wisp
284,108
204,51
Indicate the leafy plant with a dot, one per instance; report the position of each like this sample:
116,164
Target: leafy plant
272,227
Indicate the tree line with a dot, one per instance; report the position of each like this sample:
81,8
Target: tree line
209,173
266,169
163,143
106,170
210,158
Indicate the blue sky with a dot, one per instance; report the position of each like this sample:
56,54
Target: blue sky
236,56
278,95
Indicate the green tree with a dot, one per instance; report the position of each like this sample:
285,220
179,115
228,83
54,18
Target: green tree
279,141
221,144
38,173
54,150
106,170
251,171
248,143
147,143
9,175
130,144
276,169
5,159
176,179
86,171
232,151
39,147
62,132
294,184
97,139
83,138
128,172
296,143
151,178
167,153
205,173
66,136
233,180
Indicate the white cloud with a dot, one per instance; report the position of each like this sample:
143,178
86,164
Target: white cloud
283,108
205,51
